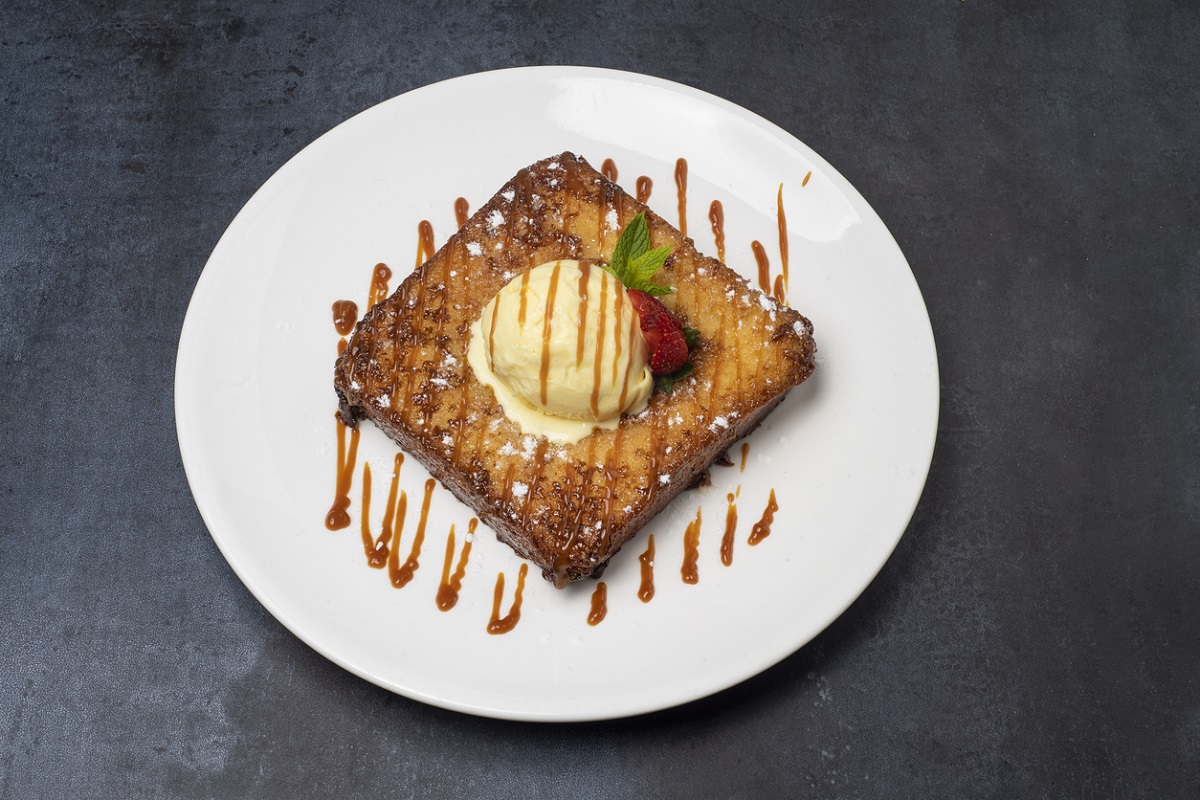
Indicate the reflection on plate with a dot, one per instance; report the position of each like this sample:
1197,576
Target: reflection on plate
846,454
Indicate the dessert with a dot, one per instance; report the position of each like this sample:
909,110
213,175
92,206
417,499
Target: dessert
570,503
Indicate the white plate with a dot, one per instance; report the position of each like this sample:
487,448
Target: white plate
847,453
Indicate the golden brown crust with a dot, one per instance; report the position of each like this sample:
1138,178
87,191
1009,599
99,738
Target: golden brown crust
567,508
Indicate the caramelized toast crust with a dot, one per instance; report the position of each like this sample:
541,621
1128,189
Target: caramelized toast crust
567,508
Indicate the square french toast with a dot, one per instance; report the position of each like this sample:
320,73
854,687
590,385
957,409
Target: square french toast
567,507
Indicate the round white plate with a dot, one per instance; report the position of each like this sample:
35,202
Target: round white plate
847,453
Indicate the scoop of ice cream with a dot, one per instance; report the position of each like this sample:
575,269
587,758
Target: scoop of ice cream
564,340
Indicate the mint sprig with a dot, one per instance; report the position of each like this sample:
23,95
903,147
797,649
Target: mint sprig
634,263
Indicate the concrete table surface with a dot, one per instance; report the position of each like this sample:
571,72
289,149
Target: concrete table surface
1034,635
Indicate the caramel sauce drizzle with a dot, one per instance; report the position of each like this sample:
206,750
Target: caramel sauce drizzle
644,187
345,314
731,517
599,345
691,551
547,323
599,607
716,217
425,248
646,588
402,575
379,284
524,302
447,595
780,290
782,282
609,170
368,540
461,210
633,331
762,528
585,270
377,550
764,266
806,177
338,518
492,327
497,624
745,452
618,301
681,171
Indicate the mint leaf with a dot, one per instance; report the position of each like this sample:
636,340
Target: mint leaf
644,267
665,383
692,336
655,290
633,242
634,263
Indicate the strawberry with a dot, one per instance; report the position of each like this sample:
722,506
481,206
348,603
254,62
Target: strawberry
664,336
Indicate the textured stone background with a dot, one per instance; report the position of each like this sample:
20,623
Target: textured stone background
1036,632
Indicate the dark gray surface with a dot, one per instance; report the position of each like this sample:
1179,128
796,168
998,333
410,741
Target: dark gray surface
1034,635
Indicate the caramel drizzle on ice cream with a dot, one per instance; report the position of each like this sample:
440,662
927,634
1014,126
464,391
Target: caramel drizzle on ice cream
547,322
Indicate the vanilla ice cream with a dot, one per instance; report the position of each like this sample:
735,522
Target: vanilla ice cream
561,347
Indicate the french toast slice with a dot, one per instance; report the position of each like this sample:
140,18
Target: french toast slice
566,507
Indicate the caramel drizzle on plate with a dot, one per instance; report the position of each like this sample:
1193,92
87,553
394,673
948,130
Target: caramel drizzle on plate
782,282
646,559
451,585
731,517
345,314
461,211
681,173
691,551
497,624
764,266
745,452
338,518
377,550
379,284
599,608
609,170
716,218
401,575
762,528
425,246
644,187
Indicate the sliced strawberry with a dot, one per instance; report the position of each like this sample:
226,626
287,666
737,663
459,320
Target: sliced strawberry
664,335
